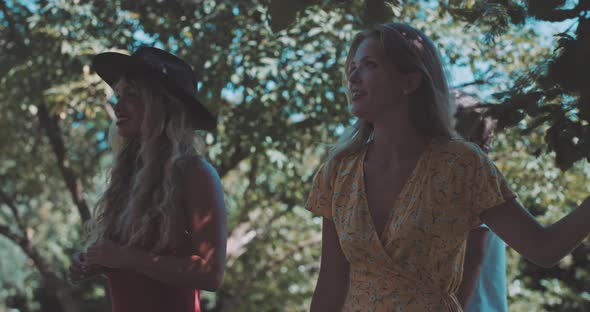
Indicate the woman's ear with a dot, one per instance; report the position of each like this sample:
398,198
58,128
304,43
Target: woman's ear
413,82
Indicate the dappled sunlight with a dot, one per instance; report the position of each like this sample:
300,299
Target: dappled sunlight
202,221
272,71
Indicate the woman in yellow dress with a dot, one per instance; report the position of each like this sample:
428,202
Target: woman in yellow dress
400,191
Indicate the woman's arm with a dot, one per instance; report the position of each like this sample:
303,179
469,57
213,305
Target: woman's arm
474,255
332,285
544,246
204,268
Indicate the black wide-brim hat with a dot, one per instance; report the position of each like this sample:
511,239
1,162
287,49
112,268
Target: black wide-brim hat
174,74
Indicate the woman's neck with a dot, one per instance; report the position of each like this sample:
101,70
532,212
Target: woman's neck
395,143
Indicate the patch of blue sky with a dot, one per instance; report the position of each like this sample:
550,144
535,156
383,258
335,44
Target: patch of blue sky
103,145
187,41
237,36
329,95
100,135
297,117
288,54
29,4
235,11
233,95
113,99
270,85
238,59
461,75
548,30
330,62
545,36
143,38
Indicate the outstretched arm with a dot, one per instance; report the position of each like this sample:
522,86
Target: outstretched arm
542,245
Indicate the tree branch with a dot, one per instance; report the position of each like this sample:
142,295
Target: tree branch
44,268
5,231
10,203
238,155
251,184
245,233
8,18
51,126
471,83
17,37
316,239
51,281
558,15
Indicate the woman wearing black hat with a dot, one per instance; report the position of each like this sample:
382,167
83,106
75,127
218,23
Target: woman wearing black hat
159,230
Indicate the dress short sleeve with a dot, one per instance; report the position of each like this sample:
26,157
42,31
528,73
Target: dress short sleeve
319,200
486,185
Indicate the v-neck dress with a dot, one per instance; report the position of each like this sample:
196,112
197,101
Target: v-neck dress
417,262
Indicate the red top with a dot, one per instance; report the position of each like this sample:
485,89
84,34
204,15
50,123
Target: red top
131,291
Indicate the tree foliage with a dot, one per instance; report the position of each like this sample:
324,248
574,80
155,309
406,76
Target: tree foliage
554,93
270,69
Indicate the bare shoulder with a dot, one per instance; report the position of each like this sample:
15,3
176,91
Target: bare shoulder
198,172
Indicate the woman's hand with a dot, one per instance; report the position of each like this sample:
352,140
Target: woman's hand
109,254
80,269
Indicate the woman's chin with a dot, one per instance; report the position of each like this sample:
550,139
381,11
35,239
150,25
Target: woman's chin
360,111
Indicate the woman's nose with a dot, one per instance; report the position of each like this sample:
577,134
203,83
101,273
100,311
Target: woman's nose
119,106
353,76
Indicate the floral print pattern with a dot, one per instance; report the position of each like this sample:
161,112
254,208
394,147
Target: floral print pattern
416,264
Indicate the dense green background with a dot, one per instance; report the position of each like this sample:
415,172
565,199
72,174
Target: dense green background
272,71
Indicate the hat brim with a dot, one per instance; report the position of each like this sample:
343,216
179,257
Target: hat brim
111,66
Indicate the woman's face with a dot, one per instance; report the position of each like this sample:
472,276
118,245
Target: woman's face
375,84
129,109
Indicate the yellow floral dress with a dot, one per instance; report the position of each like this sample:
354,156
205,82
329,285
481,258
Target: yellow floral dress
417,262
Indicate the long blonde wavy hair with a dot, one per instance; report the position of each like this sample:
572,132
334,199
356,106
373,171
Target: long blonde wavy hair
142,205
431,105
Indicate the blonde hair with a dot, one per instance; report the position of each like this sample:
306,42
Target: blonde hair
142,206
431,105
